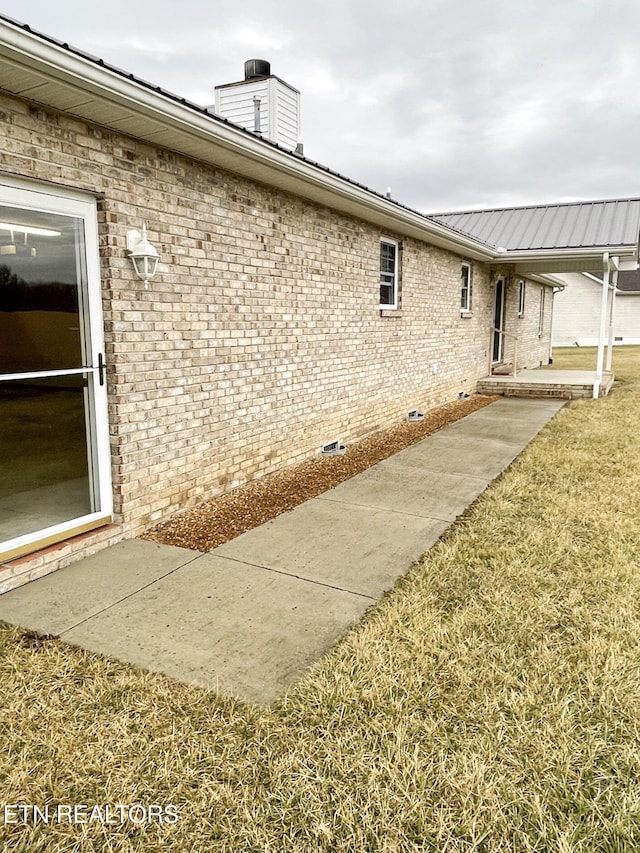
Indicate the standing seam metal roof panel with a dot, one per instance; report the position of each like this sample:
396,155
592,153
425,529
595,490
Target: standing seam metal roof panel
614,222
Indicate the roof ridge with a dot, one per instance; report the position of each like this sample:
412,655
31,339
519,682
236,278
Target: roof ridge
538,206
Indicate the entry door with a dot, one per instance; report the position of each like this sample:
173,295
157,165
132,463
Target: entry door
498,321
54,458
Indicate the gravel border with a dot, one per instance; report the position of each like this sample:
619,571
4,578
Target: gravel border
223,518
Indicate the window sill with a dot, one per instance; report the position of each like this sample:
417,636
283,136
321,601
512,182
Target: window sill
466,315
390,312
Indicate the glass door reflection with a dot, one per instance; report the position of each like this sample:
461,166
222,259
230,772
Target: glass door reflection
46,382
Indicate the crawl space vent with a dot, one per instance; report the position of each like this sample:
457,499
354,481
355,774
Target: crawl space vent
333,448
414,415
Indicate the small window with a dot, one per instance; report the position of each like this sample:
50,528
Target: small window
521,294
541,320
388,274
465,288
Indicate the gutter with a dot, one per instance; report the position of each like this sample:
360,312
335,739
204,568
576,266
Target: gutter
231,148
214,140
570,255
549,281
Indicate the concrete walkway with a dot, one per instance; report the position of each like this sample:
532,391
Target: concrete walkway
251,616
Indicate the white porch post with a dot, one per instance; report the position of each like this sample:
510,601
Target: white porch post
612,304
603,324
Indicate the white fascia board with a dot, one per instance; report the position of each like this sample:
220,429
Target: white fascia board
567,260
231,147
587,252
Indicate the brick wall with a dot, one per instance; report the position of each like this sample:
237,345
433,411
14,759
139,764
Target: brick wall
534,337
260,337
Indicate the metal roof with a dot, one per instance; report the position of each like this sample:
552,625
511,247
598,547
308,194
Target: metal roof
629,282
569,225
52,73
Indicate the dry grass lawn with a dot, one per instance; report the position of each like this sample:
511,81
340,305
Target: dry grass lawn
490,702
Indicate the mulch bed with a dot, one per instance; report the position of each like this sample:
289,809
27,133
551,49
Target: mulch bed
217,521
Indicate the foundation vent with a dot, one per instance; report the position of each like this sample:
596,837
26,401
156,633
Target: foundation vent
414,416
333,448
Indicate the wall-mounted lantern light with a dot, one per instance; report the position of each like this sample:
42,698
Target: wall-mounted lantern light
143,255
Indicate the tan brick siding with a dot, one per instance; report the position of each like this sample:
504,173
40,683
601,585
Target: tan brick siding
260,337
534,339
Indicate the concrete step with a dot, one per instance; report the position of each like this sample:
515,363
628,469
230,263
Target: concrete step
546,383
531,389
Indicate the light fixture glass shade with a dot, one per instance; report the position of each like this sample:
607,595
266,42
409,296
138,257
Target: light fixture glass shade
144,256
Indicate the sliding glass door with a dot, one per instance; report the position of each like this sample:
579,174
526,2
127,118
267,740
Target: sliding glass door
54,459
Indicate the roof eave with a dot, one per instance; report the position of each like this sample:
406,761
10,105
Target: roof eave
176,124
548,280
584,259
64,79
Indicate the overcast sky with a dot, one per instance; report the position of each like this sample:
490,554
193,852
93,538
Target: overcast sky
452,105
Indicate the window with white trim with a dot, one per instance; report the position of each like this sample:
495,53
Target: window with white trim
389,253
521,295
541,319
465,288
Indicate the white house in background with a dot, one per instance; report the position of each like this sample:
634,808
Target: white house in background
576,310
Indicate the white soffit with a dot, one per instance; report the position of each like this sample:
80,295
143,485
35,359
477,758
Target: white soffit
54,75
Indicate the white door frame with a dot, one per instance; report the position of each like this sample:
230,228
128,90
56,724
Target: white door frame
40,197
497,353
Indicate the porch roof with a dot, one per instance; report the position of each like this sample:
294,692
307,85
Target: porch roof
536,234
